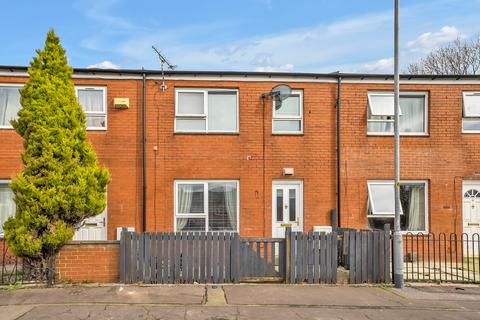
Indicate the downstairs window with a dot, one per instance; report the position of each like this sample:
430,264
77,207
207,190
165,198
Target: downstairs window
413,198
206,205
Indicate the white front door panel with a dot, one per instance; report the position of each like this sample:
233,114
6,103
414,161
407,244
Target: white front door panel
287,207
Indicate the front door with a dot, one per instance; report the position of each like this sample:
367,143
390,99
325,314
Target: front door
93,229
471,210
287,207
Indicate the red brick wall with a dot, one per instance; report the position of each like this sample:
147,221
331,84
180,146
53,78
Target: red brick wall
6,254
240,156
444,158
89,262
118,148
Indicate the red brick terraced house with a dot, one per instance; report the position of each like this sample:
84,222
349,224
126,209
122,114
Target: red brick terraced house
212,153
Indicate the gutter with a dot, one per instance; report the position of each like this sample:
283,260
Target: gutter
144,158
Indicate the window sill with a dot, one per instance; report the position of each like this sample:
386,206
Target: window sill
415,135
287,134
7,128
97,129
208,133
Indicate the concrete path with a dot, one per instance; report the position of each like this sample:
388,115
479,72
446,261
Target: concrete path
241,302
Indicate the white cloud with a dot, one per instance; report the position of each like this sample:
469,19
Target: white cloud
304,48
350,45
380,66
104,65
428,41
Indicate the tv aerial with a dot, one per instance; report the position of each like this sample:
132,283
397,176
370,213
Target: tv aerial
163,61
278,94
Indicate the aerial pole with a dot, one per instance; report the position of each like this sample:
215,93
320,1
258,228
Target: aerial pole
397,236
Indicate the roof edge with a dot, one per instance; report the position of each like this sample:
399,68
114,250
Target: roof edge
332,75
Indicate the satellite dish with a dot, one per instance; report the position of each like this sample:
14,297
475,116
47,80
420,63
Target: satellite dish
280,93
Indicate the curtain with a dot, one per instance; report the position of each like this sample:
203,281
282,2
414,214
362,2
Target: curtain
231,205
416,219
412,119
91,100
3,106
7,205
380,126
222,111
9,105
184,204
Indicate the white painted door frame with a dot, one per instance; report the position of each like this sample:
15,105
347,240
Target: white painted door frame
278,227
471,211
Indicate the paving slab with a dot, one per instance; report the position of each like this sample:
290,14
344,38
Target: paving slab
13,312
165,294
310,295
133,312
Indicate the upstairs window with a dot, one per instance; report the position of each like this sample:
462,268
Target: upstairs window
381,205
206,110
9,104
471,112
93,102
413,113
287,116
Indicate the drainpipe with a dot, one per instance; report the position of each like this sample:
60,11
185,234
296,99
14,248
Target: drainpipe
144,159
339,89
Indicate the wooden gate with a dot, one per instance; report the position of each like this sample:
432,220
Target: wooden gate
366,254
312,257
260,259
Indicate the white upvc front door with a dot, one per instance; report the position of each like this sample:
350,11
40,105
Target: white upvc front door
287,207
93,229
471,213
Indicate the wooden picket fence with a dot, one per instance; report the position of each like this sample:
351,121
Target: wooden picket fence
217,257
366,254
177,257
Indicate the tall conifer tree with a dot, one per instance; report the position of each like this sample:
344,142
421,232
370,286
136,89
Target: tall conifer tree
61,183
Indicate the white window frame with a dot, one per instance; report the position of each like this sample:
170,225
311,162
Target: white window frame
14,85
3,182
402,94
287,117
95,113
464,118
384,215
204,116
203,215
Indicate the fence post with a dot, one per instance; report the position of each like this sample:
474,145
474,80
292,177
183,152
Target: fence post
288,240
122,255
387,230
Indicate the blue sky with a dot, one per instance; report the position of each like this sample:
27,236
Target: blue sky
254,35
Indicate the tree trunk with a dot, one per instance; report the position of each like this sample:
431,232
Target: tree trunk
51,268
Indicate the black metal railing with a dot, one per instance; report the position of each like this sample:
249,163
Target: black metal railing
442,257
14,270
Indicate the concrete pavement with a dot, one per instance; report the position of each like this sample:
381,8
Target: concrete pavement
241,302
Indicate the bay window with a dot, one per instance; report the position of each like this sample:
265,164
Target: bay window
413,199
206,205
413,113
206,110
